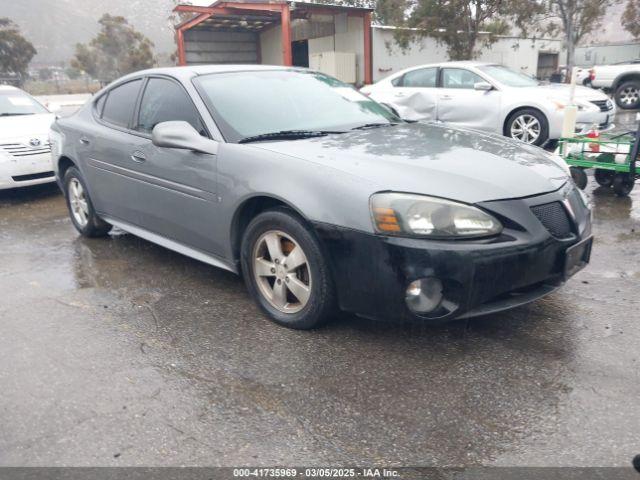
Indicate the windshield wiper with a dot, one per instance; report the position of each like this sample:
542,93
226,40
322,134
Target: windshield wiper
288,135
14,114
366,126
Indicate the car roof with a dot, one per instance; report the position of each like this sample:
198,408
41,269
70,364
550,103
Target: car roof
460,63
8,87
190,71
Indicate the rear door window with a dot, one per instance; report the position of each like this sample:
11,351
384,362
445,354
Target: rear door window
421,78
163,101
120,102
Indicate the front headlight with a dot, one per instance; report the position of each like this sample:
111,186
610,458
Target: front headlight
561,104
422,216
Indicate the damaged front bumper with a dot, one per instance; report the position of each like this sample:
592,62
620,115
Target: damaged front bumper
526,262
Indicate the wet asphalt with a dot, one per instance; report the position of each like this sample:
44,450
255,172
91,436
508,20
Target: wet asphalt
119,352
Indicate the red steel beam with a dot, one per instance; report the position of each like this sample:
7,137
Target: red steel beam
182,56
193,22
192,8
368,67
264,7
285,15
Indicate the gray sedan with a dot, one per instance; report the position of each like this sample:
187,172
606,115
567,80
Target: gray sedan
320,197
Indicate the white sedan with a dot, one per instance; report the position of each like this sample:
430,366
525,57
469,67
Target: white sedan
25,154
491,98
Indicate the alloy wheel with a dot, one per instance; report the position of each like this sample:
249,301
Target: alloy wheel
281,271
630,96
526,128
78,202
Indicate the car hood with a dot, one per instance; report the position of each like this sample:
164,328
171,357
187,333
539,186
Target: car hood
559,91
433,159
21,126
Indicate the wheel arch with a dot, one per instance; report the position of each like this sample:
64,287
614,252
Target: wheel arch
247,210
624,77
63,164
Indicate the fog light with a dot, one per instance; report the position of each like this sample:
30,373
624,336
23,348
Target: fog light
424,295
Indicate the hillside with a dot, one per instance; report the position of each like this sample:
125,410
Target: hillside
55,26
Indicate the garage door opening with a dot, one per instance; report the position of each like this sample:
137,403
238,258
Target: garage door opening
548,63
300,53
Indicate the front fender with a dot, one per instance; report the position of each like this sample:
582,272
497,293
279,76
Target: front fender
317,192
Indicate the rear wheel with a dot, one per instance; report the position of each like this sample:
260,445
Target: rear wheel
623,184
83,215
529,126
579,177
285,271
604,177
628,95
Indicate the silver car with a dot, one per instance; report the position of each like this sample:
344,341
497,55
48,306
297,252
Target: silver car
491,98
320,197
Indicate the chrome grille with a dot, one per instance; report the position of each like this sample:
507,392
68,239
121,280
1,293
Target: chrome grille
603,105
555,219
21,150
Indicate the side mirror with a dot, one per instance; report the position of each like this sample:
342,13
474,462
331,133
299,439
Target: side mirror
54,107
182,135
482,86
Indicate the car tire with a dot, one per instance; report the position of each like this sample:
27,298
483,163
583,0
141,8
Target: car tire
623,184
300,296
83,215
523,123
579,177
604,177
628,95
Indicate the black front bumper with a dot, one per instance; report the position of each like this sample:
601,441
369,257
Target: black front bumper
526,262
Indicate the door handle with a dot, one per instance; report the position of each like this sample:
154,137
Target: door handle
445,97
85,141
399,94
138,157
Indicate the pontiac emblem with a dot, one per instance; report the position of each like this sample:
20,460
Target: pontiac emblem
35,142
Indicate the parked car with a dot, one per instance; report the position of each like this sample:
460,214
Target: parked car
25,157
320,197
622,80
491,98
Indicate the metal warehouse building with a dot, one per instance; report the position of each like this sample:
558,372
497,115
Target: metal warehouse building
334,39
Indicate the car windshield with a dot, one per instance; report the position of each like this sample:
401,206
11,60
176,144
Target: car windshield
508,77
251,103
16,102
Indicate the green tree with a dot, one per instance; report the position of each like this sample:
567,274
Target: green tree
73,73
464,27
16,51
572,20
116,50
631,18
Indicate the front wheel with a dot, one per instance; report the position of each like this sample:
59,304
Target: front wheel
83,215
604,177
623,184
529,126
285,270
579,177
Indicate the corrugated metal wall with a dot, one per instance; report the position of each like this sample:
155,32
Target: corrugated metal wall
207,47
